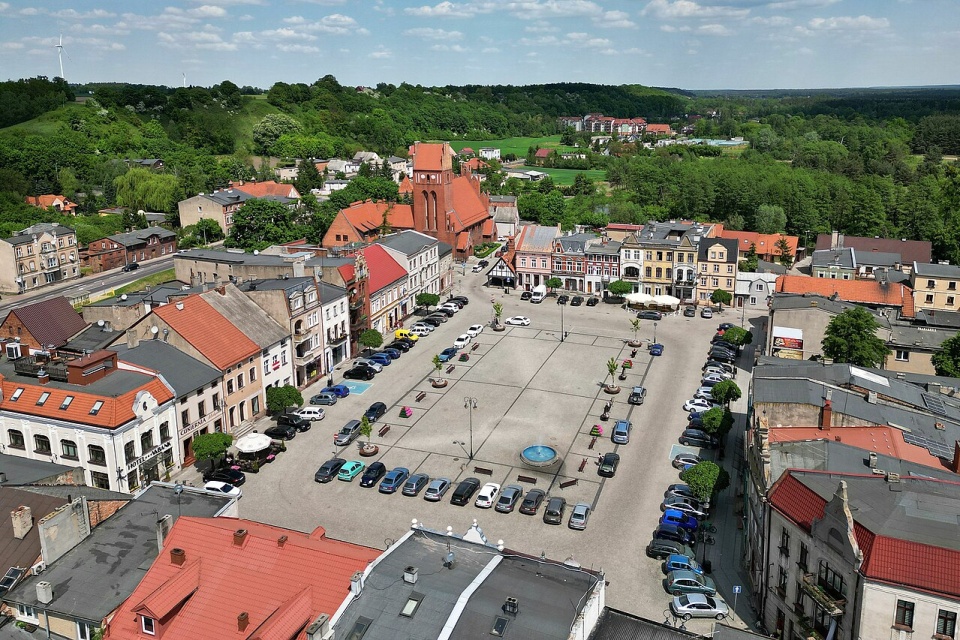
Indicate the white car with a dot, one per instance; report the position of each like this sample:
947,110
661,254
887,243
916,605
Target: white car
450,306
698,404
311,413
477,268
697,605
704,392
487,495
717,374
373,364
462,341
520,321
223,489
474,330
423,325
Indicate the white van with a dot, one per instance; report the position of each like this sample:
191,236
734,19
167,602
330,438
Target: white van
311,413
419,331
538,294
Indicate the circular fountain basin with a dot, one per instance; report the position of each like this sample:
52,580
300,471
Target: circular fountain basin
539,455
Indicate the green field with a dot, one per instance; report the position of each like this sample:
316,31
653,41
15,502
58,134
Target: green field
46,124
516,146
564,177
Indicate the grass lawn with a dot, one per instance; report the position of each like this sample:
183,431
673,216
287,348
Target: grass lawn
149,281
566,176
46,123
516,146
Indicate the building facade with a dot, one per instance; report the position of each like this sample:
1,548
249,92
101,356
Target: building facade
718,266
122,249
219,206
40,255
935,286
533,260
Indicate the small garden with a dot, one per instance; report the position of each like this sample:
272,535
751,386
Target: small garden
484,249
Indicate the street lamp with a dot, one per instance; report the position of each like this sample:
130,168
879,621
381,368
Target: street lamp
470,404
654,332
561,322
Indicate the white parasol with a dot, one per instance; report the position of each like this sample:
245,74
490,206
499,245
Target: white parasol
252,443
639,298
669,301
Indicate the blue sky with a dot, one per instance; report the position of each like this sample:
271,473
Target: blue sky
693,44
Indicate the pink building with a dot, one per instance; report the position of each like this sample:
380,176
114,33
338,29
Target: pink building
534,255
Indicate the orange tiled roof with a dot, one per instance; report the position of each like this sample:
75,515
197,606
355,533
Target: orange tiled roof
765,242
367,216
858,291
467,203
659,128
52,200
266,188
207,331
429,156
884,440
405,185
381,266
282,580
473,164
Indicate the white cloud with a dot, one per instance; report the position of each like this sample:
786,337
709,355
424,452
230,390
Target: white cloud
328,3
285,33
772,21
433,34
714,30
381,53
614,20
541,27
337,24
585,40
298,48
539,42
447,9
678,9
195,39
540,9
849,23
70,14
30,11
453,48
11,46
295,20
801,4
208,11
4,6
227,3
669,28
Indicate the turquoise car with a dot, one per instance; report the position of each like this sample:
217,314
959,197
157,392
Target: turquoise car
350,470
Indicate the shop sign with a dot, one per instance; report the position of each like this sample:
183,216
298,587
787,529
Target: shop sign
196,424
153,453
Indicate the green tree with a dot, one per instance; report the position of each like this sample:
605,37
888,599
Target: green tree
371,339
307,177
717,421
437,364
427,299
786,256
366,429
261,223
553,283
207,229
635,325
738,336
619,288
497,312
611,369
702,479
946,362
751,262
721,297
279,398
726,392
210,446
852,337
770,219
271,127
143,189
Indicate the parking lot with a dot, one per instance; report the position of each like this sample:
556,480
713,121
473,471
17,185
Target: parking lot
530,387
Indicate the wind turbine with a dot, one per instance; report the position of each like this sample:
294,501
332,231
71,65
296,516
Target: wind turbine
60,55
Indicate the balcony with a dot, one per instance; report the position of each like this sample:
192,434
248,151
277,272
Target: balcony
334,337
824,595
32,366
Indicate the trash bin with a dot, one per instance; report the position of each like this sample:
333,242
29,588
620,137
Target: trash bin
707,566
506,290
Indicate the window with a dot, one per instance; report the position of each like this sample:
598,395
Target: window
523,262
185,417
951,286
216,400
43,398
946,623
784,542
412,604
831,581
66,403
164,431
96,407
240,381
253,370
16,394
949,301
716,268
759,286
904,614
41,444
229,387
928,299
202,408
84,631
69,449
27,613
148,625
96,455
255,404
782,582
804,553
130,451
648,271
903,355
15,439
359,629
729,268
931,284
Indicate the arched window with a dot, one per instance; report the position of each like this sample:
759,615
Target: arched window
68,448
41,444
96,455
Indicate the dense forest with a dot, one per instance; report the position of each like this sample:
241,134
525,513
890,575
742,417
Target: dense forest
865,162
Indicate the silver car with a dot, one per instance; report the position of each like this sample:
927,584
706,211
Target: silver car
697,605
372,364
436,489
579,516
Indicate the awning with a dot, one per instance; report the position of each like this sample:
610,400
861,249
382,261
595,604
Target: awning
666,300
252,443
639,298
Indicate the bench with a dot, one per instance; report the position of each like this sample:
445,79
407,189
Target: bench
476,345
583,463
593,441
481,470
527,479
384,430
421,396
568,483
451,368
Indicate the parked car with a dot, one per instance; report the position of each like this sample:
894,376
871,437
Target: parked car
576,301
674,533
621,431
680,582
681,519
132,266
296,420
697,605
442,316
373,474
637,395
347,434
679,562
405,335
436,489
401,345
448,354
449,306
359,373
690,312
432,321
229,476
532,501
390,351
350,470
463,300
553,513
698,438
422,329
223,489
383,359
704,392
394,480
367,362
563,299
445,311
310,414
655,349
723,326
714,371
281,432
686,505
476,268
324,397
680,490
650,315
462,341
520,321
457,301
660,548
698,404
706,312
711,379
464,491
526,295
474,330
716,364
592,301
684,460
329,470
579,516
722,355
415,484
608,465
375,411
487,495
509,497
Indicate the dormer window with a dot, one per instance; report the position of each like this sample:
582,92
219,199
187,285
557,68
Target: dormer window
16,394
42,399
148,625
96,407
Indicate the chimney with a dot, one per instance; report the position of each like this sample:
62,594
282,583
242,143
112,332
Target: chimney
242,621
179,306
178,556
835,240
319,628
42,376
955,464
22,518
44,592
239,536
281,541
873,460
826,415
133,340
356,583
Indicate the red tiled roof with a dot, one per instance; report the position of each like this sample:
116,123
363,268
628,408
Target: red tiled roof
468,205
910,250
471,165
347,272
859,291
52,321
616,226
542,153
462,240
429,156
765,242
266,188
884,440
52,200
282,580
487,231
893,560
368,215
381,266
405,185
207,331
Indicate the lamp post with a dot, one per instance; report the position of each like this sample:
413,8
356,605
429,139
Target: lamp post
654,332
561,322
470,404
743,310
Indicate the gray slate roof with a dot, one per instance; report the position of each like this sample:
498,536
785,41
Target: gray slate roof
330,292
26,471
703,251
407,242
770,267
289,285
157,295
878,258
444,249
918,337
620,625
246,315
97,575
114,384
937,318
936,270
843,257
228,197
91,339
25,236
183,373
576,243
140,236
235,257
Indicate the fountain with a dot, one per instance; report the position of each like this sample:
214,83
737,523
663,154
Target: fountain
539,456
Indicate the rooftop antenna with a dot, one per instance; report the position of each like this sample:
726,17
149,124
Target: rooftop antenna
184,80
59,47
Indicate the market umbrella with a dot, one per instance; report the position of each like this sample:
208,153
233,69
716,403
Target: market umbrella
669,301
252,443
639,298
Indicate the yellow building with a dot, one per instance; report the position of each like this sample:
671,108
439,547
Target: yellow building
717,268
935,286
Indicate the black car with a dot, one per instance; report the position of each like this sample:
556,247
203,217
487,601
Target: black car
447,312
400,345
637,395
376,410
442,317
553,514
716,363
359,373
329,470
390,351
230,476
723,326
281,432
593,301
410,342
674,533
464,491
463,300
698,438
608,465
433,321
576,301
532,501
690,312
650,315
526,295
563,299
660,549
373,474
293,420
133,266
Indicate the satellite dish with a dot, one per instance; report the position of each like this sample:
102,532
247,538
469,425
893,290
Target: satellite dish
99,323
123,296
154,330
256,252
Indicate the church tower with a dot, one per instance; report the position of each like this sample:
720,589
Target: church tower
433,189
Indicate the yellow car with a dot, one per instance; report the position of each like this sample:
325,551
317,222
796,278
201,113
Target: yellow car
406,333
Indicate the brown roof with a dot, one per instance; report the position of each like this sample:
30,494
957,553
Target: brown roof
51,322
468,205
23,553
431,156
207,331
367,216
909,250
266,188
869,292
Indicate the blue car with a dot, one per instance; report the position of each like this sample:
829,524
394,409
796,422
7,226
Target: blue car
679,518
339,390
394,480
656,349
677,562
390,351
381,358
448,354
